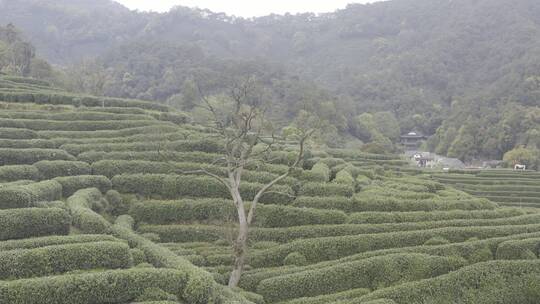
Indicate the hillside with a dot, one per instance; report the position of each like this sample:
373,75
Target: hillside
463,72
96,207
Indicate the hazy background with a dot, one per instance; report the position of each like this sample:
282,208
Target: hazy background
245,8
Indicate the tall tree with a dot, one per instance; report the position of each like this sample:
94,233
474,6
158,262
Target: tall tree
248,136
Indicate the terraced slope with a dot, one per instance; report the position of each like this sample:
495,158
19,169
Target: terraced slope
95,207
59,239
509,188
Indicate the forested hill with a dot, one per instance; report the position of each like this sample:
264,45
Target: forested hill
466,72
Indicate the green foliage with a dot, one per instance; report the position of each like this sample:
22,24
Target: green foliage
519,249
18,172
93,287
373,273
52,169
324,190
27,195
31,156
340,296
71,184
296,259
32,222
87,220
523,156
63,258
31,243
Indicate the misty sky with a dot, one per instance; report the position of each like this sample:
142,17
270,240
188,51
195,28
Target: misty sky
245,8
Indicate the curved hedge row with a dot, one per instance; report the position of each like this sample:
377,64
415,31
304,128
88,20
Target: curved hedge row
63,258
174,186
326,189
373,273
31,243
27,144
114,286
328,248
18,133
102,134
195,157
64,98
519,249
50,169
27,195
31,156
167,212
200,287
75,125
423,216
80,205
77,115
71,184
490,282
331,298
32,222
18,172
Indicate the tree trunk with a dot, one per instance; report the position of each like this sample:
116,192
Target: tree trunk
240,244
240,250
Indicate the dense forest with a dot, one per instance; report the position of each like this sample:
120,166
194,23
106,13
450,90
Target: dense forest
465,73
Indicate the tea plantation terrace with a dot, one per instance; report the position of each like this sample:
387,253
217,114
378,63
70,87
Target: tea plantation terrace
95,207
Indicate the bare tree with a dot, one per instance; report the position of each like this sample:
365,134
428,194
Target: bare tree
248,138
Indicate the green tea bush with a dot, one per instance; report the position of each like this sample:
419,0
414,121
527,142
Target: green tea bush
57,168
330,202
519,249
174,186
345,178
423,216
326,189
17,133
319,173
31,156
18,172
77,115
380,203
113,286
117,205
72,184
37,242
63,258
74,125
489,282
296,259
104,134
373,273
33,222
27,144
84,218
200,288
196,157
331,298
27,195
329,248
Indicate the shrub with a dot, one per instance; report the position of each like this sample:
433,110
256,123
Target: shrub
328,248
518,249
200,286
27,195
17,133
489,282
173,186
27,144
114,286
324,190
156,294
32,222
18,172
52,169
117,204
31,156
138,256
72,184
63,258
80,204
344,178
74,125
31,243
295,258
373,273
319,173
422,216
196,157
331,298
330,202
436,240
